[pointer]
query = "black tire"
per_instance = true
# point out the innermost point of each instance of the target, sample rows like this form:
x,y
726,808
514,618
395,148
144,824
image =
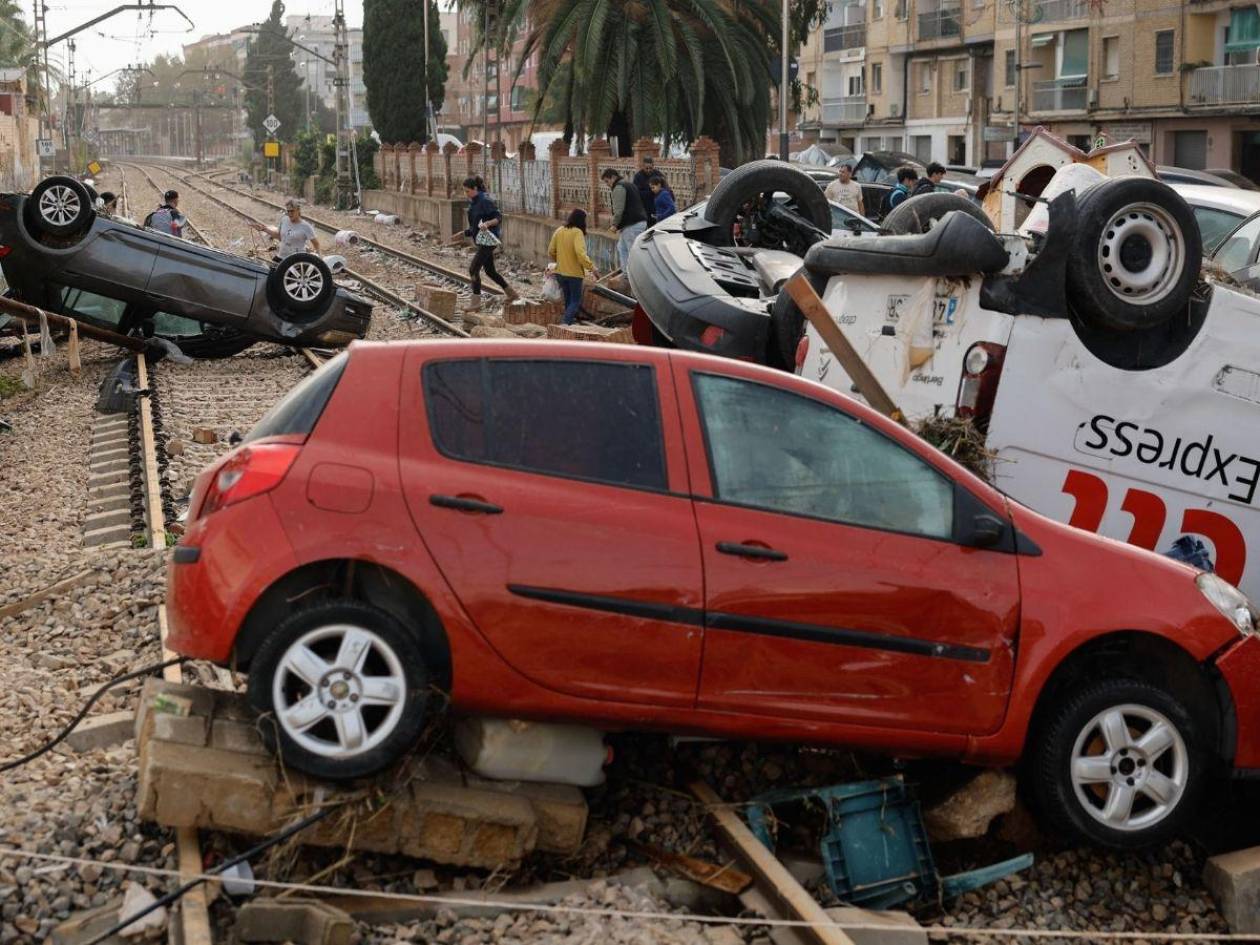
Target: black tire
x,y
787,324
918,214
300,286
320,752
749,181
1053,745
61,207
1125,226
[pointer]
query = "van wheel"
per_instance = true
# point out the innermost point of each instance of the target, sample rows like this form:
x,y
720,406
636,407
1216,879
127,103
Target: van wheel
x,y
60,206
344,688
741,194
1119,763
787,324
300,286
917,214
1136,257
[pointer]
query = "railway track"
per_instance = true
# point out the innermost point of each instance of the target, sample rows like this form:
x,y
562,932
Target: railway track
x,y
370,285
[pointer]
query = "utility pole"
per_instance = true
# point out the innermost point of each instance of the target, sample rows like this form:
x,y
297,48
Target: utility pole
x,y
197,120
69,109
428,106
1017,8
783,86
341,80
271,108
41,40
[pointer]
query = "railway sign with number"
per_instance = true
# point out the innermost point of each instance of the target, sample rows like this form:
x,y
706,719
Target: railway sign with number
x,y
271,123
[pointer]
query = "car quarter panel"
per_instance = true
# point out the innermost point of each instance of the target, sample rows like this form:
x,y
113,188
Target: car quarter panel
x,y
200,284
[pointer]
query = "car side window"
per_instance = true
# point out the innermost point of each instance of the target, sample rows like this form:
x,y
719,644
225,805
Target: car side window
x,y
90,305
1214,226
775,450
579,419
1236,252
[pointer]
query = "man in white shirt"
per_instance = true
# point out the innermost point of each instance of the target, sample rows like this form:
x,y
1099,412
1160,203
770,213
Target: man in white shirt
x,y
293,232
845,191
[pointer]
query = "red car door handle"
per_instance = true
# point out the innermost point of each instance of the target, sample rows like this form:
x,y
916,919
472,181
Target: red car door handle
x,y
464,504
742,550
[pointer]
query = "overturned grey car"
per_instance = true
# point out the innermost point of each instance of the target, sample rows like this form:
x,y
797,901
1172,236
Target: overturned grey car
x,y
57,253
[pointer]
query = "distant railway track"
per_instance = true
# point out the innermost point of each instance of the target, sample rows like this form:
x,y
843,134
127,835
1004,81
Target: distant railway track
x,y
370,285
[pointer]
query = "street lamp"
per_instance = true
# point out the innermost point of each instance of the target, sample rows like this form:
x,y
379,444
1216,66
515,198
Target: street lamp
x,y
783,86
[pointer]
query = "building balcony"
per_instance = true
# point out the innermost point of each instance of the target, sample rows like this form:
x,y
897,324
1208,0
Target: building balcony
x,y
1056,96
1054,11
841,38
844,110
1224,85
941,24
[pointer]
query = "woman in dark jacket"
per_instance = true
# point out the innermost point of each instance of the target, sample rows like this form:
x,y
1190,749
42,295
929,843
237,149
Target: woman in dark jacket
x,y
483,218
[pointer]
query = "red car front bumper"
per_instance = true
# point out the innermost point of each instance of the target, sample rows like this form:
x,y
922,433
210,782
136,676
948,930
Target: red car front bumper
x,y
218,570
1239,666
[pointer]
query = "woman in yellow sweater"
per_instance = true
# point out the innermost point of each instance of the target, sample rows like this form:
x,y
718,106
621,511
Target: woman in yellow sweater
x,y
568,249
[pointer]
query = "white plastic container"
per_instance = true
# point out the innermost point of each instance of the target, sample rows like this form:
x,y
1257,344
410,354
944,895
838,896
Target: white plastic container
x,y
346,238
388,219
335,263
512,750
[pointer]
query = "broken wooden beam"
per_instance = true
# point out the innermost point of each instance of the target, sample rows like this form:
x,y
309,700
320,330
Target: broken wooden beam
x,y
31,315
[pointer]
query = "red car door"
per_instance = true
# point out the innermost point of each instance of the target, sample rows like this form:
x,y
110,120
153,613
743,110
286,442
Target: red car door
x,y
552,493
835,586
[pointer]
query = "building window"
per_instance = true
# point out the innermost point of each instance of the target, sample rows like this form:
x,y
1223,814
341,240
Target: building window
x,y
877,9
1190,149
893,143
925,78
1074,47
518,98
870,144
877,77
857,85
921,145
960,75
903,11
1010,68
1111,57
1164,52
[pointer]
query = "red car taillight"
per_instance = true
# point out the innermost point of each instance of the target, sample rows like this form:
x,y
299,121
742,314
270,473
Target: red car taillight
x,y
802,352
5,250
712,335
982,369
250,471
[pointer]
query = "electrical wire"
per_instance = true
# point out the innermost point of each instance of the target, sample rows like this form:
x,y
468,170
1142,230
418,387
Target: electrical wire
x,y
62,735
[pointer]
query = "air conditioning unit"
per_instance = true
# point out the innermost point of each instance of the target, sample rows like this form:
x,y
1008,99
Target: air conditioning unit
x,y
1093,98
894,109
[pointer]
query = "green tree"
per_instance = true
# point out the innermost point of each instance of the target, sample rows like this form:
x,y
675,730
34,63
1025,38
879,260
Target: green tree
x,y
17,46
670,68
272,50
393,56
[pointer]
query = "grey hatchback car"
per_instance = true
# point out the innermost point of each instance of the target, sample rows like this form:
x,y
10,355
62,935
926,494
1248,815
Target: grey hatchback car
x,y
58,253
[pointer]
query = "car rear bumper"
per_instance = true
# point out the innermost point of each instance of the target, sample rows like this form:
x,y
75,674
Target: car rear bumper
x,y
220,567
1239,667
683,300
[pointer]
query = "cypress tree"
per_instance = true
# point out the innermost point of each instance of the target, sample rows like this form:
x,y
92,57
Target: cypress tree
x,y
393,66
271,48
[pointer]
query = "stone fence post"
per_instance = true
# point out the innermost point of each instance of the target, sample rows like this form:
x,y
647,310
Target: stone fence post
x,y
557,150
598,156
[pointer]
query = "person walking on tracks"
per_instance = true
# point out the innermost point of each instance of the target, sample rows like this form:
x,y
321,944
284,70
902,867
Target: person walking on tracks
x,y
484,219
294,233
568,249
167,218
629,218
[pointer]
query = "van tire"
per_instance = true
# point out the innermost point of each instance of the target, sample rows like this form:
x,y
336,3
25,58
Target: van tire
x,y
1125,227
299,287
763,177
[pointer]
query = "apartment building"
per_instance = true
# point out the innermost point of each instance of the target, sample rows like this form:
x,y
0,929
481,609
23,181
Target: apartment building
x,y
942,79
319,37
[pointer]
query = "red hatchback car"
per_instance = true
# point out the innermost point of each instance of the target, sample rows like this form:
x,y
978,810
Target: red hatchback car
x,y
641,538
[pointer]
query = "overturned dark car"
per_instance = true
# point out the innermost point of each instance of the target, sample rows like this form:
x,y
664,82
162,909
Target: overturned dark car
x,y
57,253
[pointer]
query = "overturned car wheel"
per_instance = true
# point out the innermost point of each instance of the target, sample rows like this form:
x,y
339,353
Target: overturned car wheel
x,y
61,207
740,202
300,286
1137,255
917,214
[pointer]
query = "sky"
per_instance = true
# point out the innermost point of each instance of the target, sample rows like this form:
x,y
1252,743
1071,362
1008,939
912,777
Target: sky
x,y
132,37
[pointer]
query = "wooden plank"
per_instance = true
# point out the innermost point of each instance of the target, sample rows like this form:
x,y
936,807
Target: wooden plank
x,y
26,603
194,909
868,386
771,876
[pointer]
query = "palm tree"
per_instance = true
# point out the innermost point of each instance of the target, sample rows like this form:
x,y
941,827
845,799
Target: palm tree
x,y
673,68
17,46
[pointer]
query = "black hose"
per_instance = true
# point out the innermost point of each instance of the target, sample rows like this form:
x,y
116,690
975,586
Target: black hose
x,y
225,865
117,680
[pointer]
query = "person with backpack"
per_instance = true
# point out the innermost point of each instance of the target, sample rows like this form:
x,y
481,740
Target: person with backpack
x,y
629,217
663,204
906,178
484,219
927,185
568,250
167,218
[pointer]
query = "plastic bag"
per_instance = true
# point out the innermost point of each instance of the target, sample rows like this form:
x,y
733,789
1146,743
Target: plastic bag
x,y
486,237
551,290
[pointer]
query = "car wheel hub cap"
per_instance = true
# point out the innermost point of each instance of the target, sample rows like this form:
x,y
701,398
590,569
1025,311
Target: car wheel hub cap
x,y
339,691
1141,254
1130,767
59,205
303,282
